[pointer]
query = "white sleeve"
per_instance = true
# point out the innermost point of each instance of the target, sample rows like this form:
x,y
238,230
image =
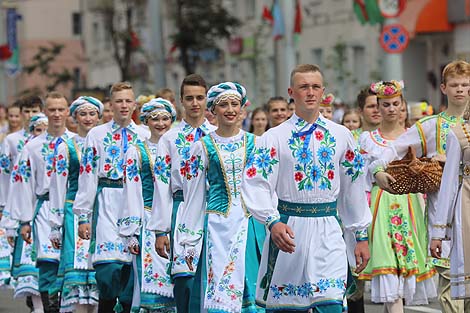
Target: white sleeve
x,y
58,186
162,205
131,216
449,188
260,181
87,181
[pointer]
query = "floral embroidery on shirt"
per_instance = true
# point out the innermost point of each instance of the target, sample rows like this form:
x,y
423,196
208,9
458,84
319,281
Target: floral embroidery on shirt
x,y
183,229
113,165
5,164
162,168
89,160
353,163
20,145
132,171
191,168
110,247
49,249
61,165
307,289
47,152
21,171
307,172
261,161
128,220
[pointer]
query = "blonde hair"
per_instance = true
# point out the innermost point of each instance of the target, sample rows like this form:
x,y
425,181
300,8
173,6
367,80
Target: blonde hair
x,y
455,68
304,68
119,87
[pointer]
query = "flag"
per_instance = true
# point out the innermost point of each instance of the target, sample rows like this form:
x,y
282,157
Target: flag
x,y
267,15
298,18
368,11
278,25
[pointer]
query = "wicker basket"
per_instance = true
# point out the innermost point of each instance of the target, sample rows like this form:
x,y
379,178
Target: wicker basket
x,y
415,175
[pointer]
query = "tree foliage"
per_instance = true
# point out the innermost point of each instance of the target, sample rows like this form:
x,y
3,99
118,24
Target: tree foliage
x,y
199,23
118,20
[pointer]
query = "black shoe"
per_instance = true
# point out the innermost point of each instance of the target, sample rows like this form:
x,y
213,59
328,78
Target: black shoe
x,y
126,307
356,306
106,306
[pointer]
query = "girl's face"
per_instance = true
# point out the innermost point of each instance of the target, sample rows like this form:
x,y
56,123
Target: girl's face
x,y
87,118
159,125
227,112
39,129
327,112
260,120
14,117
352,121
390,108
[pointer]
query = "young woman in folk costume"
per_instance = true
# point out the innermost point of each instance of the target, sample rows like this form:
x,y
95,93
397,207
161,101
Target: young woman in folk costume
x,y
232,238
153,290
76,278
398,267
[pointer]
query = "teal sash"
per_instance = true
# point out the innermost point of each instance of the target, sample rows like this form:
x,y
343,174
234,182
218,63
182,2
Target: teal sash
x,y
102,183
146,173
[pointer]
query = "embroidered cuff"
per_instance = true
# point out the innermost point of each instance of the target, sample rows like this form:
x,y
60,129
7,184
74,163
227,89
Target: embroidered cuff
x,y
272,220
439,230
378,169
132,241
160,234
83,219
361,235
56,234
24,223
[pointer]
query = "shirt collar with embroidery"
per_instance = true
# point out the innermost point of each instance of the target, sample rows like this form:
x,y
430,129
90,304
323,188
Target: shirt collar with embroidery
x,y
115,127
187,128
301,124
450,118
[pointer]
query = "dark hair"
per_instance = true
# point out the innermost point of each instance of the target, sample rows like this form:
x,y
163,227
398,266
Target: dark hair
x,y
192,80
256,111
362,96
32,102
15,104
272,99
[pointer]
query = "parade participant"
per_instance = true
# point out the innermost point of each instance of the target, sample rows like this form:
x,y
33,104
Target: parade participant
x,y
76,279
259,122
231,245
13,118
29,191
153,290
452,219
351,119
326,106
174,148
277,108
291,107
306,162
99,199
107,111
398,265
428,137
368,107
23,270
38,124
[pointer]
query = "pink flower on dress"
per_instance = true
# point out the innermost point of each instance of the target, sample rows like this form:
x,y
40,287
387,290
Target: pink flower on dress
x,y
251,172
396,220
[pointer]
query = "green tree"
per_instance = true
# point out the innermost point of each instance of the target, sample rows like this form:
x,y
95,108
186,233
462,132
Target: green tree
x,y
199,24
119,20
41,63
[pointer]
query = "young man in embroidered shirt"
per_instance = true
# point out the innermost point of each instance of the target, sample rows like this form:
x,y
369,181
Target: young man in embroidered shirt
x,y
30,195
99,198
174,147
306,161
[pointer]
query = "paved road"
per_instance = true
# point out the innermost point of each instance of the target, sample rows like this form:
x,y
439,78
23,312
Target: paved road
x,y
8,305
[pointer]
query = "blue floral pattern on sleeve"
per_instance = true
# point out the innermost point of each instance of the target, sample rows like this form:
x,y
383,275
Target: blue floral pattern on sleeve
x,y
353,163
261,162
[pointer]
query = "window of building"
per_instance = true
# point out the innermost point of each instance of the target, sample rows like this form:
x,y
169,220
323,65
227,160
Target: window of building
x,y
317,57
76,23
359,65
77,77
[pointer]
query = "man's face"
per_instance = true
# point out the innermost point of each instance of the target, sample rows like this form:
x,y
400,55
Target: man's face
x,y
14,117
371,113
27,113
193,100
277,112
457,90
307,91
57,111
123,105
